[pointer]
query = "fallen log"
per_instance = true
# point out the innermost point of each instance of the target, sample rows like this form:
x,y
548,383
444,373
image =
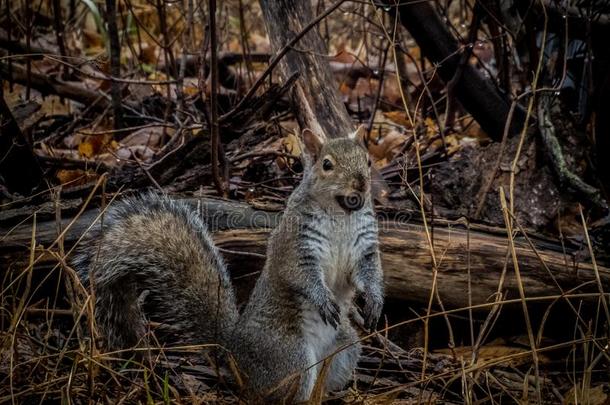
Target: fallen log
x,y
242,232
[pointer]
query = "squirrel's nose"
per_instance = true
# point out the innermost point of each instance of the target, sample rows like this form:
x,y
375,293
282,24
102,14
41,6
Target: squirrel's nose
x,y
359,183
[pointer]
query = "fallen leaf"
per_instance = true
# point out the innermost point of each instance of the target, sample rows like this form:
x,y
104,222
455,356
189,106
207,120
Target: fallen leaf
x,y
149,136
92,41
86,149
74,177
141,152
391,90
385,146
398,117
431,127
290,144
343,55
92,145
148,53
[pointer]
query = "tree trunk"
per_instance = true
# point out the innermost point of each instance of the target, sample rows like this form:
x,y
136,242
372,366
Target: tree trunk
x,y
241,232
315,94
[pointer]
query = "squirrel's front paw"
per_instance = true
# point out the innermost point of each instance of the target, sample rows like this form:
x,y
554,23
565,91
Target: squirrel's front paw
x,y
372,310
330,312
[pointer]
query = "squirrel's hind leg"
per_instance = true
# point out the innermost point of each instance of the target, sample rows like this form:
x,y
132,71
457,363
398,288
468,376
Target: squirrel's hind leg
x,y
275,370
119,316
343,363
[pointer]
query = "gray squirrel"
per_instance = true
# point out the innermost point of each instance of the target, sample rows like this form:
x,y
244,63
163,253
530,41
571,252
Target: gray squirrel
x,y
154,262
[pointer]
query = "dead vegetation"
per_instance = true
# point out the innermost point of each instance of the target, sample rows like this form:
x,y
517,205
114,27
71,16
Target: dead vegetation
x,y
491,147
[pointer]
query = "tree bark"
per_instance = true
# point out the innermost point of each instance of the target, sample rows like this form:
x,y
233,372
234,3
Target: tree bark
x,y
315,94
242,232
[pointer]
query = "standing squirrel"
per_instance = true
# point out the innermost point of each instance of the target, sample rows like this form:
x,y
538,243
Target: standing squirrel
x,y
154,261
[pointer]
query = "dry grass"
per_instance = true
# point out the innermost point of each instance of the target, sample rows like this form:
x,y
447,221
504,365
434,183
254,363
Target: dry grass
x,y
49,351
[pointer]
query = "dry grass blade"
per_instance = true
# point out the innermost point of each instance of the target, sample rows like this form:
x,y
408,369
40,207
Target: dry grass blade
x,y
528,324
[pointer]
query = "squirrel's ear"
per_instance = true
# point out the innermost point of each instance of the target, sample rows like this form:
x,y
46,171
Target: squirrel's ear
x,y
359,135
313,143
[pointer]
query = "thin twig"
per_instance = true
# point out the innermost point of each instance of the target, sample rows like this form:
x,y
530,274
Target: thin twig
x,y
115,62
600,286
214,127
59,30
528,324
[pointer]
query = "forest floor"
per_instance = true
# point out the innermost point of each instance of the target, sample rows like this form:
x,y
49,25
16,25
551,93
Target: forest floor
x,y
71,151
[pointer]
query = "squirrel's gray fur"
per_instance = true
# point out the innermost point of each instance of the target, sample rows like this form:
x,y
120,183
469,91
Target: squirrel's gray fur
x,y
154,260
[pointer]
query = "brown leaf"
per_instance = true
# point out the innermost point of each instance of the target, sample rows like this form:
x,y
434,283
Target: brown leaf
x,y
142,152
398,117
385,146
74,177
86,149
92,39
292,145
149,136
94,144
343,56
148,53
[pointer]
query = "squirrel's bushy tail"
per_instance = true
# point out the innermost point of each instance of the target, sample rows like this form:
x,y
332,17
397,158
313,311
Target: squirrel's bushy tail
x,y
153,266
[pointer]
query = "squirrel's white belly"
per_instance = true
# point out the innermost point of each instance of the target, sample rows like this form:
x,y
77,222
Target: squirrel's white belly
x,y
319,336
337,268
340,262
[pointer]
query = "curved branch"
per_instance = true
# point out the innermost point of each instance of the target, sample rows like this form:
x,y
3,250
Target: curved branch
x,y
558,162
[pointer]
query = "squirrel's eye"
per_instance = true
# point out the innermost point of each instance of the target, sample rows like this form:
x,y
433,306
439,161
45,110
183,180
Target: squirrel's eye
x,y
327,165
369,162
